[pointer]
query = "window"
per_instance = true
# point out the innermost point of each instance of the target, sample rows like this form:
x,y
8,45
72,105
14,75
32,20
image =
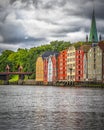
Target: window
x,y
94,60
73,65
78,72
73,70
94,66
94,55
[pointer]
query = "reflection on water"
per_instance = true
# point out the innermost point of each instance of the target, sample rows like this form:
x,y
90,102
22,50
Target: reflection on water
x,y
51,108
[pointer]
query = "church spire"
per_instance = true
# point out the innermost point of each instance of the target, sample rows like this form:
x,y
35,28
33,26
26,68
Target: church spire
x,y
93,30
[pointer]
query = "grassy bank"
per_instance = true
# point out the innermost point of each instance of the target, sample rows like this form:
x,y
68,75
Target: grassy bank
x,y
14,79
1,82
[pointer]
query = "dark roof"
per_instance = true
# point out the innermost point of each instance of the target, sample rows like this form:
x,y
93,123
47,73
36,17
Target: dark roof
x,y
85,48
48,53
101,45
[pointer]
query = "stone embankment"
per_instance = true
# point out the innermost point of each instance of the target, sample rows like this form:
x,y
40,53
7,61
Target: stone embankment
x,y
58,83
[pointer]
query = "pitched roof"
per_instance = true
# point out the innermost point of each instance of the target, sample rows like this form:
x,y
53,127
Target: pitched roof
x,y
85,48
101,45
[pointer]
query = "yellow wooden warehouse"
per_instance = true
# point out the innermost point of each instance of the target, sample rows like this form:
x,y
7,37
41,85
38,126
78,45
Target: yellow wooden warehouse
x,y
39,69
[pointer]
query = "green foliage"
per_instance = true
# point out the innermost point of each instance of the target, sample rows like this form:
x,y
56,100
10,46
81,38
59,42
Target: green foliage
x,y
1,82
59,45
14,78
78,44
4,59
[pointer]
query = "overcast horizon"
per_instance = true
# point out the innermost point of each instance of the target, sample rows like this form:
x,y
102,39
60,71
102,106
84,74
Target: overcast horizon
x,y
29,23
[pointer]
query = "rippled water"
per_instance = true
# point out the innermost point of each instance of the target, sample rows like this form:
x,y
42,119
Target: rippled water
x,y
51,108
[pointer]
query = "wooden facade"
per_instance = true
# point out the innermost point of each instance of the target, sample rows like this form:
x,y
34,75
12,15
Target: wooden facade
x,y
39,69
50,66
95,63
81,70
45,70
54,62
71,63
79,65
62,65
50,69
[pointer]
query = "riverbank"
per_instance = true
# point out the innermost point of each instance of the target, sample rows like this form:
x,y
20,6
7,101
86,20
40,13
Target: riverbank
x,y
58,83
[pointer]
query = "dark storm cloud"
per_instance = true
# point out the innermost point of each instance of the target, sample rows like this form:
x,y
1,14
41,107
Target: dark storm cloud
x,y
67,29
40,21
12,32
17,40
84,9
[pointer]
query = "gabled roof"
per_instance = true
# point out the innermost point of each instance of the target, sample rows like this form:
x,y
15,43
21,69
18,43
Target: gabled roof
x,y
101,45
85,48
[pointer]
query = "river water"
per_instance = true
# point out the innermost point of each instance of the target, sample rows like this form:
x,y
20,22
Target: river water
x,y
51,108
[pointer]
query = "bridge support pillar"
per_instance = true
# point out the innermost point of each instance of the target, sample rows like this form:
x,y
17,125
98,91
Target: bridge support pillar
x,y
20,82
21,79
6,82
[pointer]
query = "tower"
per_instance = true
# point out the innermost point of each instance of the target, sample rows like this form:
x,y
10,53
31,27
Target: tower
x,y
93,30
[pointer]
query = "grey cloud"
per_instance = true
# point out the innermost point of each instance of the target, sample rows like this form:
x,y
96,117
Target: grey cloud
x,y
67,29
3,16
79,11
12,32
58,35
16,34
84,9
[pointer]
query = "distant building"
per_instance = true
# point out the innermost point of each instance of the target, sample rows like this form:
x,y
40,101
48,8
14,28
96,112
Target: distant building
x,y
71,63
39,69
50,66
55,67
62,65
81,63
96,62
45,60
50,69
85,62
45,70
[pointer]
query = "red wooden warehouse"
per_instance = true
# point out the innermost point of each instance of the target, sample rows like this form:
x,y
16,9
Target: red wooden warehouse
x,y
62,65
45,63
79,64
54,62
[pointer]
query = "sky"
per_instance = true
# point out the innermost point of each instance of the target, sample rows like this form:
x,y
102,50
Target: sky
x,y
29,23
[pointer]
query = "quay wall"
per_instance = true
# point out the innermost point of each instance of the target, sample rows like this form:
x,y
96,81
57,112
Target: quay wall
x,y
58,83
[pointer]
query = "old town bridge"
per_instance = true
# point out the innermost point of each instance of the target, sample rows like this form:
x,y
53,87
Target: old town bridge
x,y
6,75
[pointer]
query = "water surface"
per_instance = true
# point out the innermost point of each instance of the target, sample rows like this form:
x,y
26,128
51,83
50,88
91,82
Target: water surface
x,y
51,108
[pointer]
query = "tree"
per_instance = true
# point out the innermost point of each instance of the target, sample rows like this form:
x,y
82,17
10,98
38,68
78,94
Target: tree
x,y
4,59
